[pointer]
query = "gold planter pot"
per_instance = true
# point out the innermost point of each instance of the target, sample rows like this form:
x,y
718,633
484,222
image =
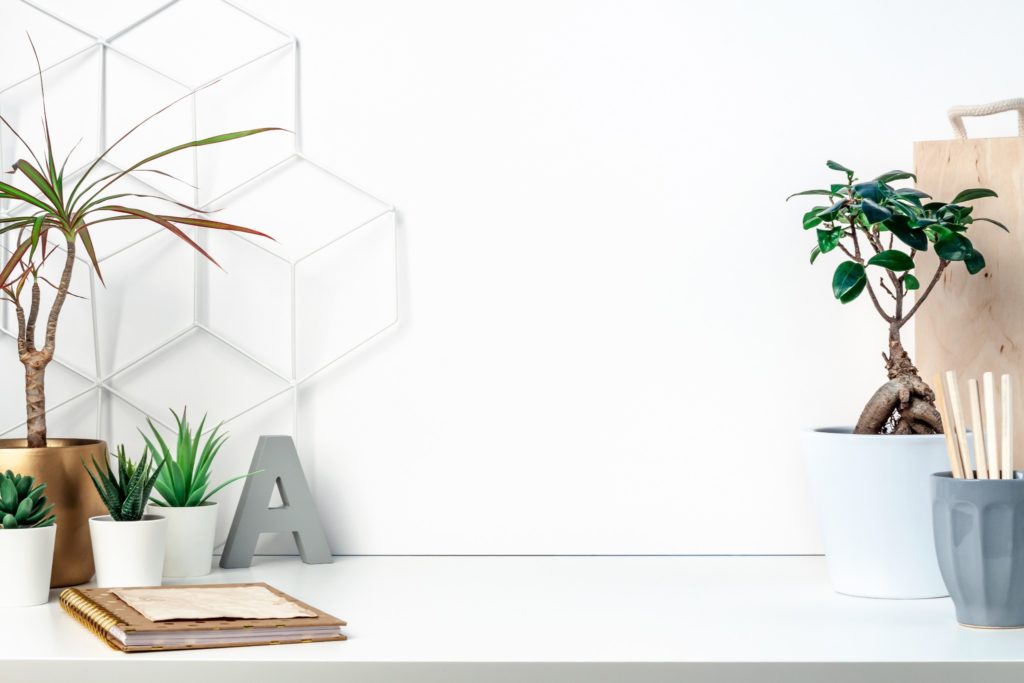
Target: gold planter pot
x,y
68,487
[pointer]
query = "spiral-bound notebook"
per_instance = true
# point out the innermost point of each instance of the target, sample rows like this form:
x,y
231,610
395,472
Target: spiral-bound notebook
x,y
196,617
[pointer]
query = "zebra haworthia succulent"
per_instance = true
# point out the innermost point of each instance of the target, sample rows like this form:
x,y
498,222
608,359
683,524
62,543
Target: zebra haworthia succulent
x,y
126,493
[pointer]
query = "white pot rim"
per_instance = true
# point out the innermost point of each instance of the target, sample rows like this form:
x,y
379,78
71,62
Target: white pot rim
x,y
846,432
146,519
159,508
37,529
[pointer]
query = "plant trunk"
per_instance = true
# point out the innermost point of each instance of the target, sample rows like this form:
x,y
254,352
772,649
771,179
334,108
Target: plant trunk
x,y
904,404
35,397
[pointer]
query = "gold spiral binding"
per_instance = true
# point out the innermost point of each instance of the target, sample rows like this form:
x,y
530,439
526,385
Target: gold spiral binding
x,y
94,617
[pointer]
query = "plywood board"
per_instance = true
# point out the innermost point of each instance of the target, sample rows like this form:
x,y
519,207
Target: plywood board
x,y
975,323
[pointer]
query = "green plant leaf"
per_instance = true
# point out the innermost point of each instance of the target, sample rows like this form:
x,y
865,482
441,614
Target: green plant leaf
x,y
911,282
41,182
83,234
164,223
829,239
973,193
953,247
974,262
824,193
836,166
848,281
892,259
993,222
869,190
8,495
900,226
873,212
895,175
815,253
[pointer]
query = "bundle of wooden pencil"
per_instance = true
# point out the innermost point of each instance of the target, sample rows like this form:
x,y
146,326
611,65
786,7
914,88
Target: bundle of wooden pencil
x,y
992,459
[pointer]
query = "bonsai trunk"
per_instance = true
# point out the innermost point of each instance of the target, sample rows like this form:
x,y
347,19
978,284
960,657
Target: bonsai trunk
x,y
904,404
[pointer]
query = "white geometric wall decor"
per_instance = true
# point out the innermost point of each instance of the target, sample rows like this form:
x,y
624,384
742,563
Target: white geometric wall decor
x,y
169,329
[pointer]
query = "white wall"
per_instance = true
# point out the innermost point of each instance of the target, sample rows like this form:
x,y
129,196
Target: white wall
x,y
610,335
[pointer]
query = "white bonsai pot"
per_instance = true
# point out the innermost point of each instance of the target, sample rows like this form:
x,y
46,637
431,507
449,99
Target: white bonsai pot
x,y
874,509
190,534
128,553
25,568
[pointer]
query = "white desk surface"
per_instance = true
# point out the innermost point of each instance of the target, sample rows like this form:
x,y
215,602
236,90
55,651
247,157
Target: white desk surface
x,y
424,618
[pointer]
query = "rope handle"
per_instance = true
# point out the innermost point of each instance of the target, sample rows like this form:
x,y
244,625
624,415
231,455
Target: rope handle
x,y
956,114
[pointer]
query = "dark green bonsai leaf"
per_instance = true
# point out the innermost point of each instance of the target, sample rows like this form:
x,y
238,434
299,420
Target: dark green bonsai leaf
x,y
892,259
953,247
895,175
812,219
870,190
836,166
975,262
830,213
825,193
911,282
815,253
848,281
973,193
829,239
993,222
873,212
900,226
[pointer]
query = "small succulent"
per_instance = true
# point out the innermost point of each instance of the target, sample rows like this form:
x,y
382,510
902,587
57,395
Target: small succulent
x,y
23,505
125,494
186,473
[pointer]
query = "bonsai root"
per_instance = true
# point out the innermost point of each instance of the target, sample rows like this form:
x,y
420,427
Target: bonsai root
x,y
905,402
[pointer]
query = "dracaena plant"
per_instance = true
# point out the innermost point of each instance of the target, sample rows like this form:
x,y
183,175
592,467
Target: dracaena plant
x,y
881,230
125,493
57,217
185,477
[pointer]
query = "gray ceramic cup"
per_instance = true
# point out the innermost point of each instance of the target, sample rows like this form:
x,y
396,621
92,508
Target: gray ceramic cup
x,y
979,542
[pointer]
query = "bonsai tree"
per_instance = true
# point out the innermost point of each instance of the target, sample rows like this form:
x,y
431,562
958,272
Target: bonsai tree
x,y
59,216
881,230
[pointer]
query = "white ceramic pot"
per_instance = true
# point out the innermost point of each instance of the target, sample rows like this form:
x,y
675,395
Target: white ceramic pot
x,y
874,509
26,556
128,553
190,534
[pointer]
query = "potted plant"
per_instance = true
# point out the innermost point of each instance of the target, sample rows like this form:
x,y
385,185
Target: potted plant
x,y
61,218
127,544
870,483
183,484
27,532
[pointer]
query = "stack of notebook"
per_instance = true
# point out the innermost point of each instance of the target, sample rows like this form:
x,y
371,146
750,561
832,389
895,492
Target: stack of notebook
x,y
194,617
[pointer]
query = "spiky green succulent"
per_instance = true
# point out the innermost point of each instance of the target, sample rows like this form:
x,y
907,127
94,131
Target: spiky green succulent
x,y
22,503
184,480
126,493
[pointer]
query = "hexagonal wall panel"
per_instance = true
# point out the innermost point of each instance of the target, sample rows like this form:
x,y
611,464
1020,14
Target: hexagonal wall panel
x,y
171,329
73,100
341,262
54,40
100,19
200,371
132,93
186,40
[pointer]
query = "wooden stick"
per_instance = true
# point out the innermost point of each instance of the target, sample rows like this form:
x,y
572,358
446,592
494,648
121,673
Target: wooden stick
x,y
948,430
978,429
958,419
991,443
1007,396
